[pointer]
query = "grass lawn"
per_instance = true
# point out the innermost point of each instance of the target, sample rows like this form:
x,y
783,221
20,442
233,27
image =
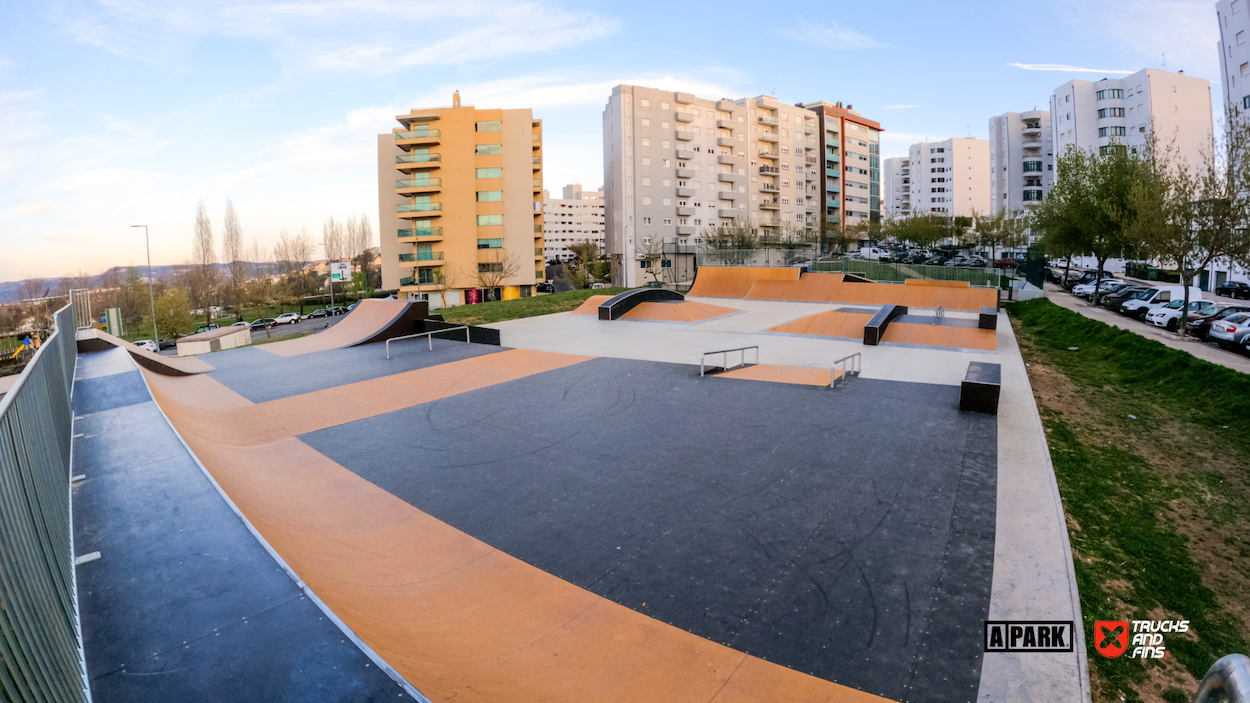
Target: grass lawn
x,y
500,310
1150,447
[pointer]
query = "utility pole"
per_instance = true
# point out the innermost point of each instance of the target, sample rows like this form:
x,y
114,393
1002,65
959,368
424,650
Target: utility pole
x,y
151,295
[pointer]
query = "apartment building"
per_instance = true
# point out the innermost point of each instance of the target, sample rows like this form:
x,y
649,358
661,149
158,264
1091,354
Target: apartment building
x,y
1092,114
577,217
1234,47
460,204
851,148
1022,160
896,186
676,165
950,178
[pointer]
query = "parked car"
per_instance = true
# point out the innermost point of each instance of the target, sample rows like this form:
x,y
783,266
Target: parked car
x,y
1234,289
915,259
977,261
1005,263
1076,278
936,260
874,253
1086,290
960,261
653,284
544,288
146,344
264,322
338,310
1113,300
1169,316
597,286
287,318
1142,302
1232,330
1200,325
320,312
205,328
241,323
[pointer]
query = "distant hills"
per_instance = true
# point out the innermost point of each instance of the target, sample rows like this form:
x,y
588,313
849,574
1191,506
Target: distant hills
x,y
9,291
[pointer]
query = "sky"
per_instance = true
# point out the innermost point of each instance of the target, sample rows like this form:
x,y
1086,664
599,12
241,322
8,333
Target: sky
x,y
123,112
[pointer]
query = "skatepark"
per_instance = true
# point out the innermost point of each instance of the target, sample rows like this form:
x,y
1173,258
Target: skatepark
x,y
763,490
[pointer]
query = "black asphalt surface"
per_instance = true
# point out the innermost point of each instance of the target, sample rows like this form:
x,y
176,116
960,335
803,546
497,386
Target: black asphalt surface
x,y
184,604
847,534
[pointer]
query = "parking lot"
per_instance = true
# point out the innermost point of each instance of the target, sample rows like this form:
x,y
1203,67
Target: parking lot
x,y
280,331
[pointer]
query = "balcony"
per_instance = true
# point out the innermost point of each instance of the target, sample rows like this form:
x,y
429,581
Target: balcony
x,y
538,162
538,185
685,136
727,160
724,141
537,139
411,210
416,137
771,222
538,252
684,117
833,188
833,219
835,143
833,173
769,155
726,124
538,229
685,230
685,154
809,128
769,170
727,195
420,185
769,120
726,178
685,173
407,281
833,157
1032,131
426,233
685,192
831,202
727,214
422,256
767,137
1034,143
769,205
770,188
685,211
413,162
811,160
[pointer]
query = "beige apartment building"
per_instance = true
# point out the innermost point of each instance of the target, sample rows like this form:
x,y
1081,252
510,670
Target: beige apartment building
x,y
576,217
460,204
950,178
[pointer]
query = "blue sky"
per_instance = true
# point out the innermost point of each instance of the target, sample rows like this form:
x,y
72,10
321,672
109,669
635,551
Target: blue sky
x,y
119,112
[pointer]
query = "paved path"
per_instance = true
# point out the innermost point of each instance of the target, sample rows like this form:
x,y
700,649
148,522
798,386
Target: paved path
x,y
1202,350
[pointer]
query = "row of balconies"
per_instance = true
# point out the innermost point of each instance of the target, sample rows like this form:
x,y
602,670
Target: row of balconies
x,y
426,233
421,256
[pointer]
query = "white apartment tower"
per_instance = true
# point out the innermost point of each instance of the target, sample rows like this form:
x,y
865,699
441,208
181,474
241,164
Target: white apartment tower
x,y
577,217
1022,160
1234,48
896,186
950,178
675,164
1090,115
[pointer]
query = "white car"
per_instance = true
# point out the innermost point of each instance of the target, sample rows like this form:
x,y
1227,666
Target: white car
x,y
1086,290
1142,302
286,318
241,324
1169,316
147,344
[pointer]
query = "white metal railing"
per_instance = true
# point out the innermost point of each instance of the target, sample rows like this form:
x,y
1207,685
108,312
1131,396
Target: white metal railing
x,y
725,358
427,335
850,367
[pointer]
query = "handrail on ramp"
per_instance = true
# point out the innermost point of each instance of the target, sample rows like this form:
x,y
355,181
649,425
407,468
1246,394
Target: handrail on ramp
x,y
850,367
725,358
427,334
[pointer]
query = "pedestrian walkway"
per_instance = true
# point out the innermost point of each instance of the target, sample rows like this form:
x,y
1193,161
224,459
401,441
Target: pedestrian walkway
x,y
1206,352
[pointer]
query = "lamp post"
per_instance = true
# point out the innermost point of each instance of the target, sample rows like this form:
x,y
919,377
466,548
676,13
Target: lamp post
x,y
148,244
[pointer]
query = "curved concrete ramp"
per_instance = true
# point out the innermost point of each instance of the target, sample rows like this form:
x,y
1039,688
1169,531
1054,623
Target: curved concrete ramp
x,y
622,303
737,281
99,340
456,617
759,283
683,311
591,306
371,321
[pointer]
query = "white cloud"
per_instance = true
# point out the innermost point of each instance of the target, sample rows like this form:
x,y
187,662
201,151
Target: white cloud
x,y
898,107
830,36
30,209
1062,67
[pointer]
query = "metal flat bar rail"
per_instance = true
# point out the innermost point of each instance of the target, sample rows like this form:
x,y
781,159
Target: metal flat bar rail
x,y
40,646
850,367
427,335
725,357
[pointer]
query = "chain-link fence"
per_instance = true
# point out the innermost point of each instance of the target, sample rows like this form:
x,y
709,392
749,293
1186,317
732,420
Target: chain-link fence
x,y
40,657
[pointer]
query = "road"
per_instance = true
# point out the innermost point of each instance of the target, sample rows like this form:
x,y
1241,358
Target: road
x,y
280,331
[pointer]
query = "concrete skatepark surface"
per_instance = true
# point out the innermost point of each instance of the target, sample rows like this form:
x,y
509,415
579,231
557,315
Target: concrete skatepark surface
x,y
791,284
579,516
371,321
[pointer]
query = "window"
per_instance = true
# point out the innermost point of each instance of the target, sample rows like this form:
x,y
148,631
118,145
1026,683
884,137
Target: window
x,y
1104,150
646,161
645,122
664,124
646,200
1245,102
488,149
646,181
1110,112
1111,131
644,141
1032,166
490,173
1241,37
1245,69
646,220
490,220
668,220
490,267
644,102
489,196
490,244
663,106
489,127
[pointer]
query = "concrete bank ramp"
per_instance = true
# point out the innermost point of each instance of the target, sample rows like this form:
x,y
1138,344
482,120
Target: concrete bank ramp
x,y
99,340
371,321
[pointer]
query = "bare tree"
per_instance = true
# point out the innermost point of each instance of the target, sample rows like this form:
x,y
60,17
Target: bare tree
x,y
494,273
204,256
258,258
31,288
334,239
232,249
651,251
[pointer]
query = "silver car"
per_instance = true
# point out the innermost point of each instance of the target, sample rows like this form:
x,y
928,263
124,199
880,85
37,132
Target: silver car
x,y
1232,330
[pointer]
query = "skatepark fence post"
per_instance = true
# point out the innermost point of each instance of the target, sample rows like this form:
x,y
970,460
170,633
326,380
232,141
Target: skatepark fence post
x,y
430,336
850,367
724,364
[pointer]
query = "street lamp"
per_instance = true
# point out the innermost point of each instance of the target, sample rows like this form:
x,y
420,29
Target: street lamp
x,y
147,243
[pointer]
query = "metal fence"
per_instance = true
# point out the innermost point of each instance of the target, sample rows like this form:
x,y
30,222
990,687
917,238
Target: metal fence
x,y
40,654
768,256
886,271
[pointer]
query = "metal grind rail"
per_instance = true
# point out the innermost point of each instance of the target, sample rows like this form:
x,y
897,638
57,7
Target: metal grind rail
x,y
850,367
427,335
725,358
40,647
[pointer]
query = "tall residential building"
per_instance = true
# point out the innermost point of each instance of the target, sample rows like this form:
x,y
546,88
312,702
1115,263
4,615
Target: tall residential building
x,y
896,187
577,217
675,165
1234,48
1089,114
851,145
1022,160
460,204
950,178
